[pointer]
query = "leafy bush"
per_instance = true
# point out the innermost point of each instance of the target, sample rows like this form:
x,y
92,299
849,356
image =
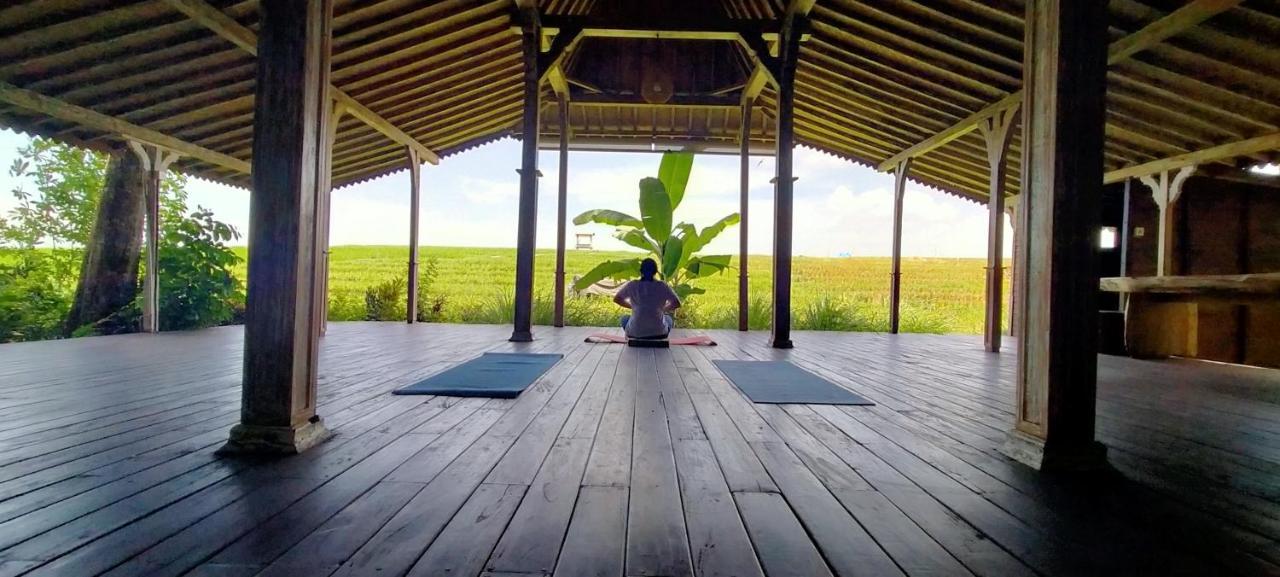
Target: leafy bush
x,y
46,229
35,294
197,288
827,313
344,306
430,308
385,300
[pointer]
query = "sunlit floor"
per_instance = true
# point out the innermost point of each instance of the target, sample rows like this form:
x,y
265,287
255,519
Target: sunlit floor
x,y
622,461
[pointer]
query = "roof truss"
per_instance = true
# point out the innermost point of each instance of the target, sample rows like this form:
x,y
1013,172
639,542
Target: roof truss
x,y
226,27
1188,16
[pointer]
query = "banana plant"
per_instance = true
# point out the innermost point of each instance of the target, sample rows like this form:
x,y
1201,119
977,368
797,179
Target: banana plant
x,y
674,247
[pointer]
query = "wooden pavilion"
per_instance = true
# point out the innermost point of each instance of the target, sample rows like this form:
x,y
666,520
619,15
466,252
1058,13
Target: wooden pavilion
x,y
649,462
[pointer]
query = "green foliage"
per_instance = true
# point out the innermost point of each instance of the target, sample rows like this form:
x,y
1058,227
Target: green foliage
x,y
674,248
385,301
388,300
430,305
197,287
36,287
44,233
939,294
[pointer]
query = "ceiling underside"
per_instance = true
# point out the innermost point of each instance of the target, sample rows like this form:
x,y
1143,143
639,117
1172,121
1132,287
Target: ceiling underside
x,y
874,78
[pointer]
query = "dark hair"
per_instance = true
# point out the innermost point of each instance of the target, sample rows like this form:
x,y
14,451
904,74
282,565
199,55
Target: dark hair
x,y
648,268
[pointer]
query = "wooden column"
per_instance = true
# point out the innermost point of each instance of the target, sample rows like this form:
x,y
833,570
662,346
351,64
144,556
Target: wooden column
x,y
280,339
744,181
562,199
895,274
997,131
415,193
1064,76
1166,187
527,230
325,202
784,185
1011,209
155,160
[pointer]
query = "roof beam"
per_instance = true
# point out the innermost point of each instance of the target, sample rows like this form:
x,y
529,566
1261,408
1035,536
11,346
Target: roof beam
x,y
764,54
1229,150
1189,15
225,26
55,108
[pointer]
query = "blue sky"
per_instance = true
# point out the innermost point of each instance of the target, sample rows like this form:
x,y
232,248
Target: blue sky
x,y
470,200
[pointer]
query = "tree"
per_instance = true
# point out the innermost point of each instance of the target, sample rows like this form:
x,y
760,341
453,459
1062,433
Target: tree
x,y
674,248
45,236
109,272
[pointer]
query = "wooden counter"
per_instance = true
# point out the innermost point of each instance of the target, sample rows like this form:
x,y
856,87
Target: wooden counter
x,y
1233,318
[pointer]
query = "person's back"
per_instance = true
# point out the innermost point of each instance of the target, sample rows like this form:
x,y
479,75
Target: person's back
x,y
649,300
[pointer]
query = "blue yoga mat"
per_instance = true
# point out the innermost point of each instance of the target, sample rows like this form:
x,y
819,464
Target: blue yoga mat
x,y
501,375
780,382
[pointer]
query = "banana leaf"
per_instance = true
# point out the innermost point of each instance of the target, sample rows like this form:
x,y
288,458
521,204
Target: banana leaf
x,y
609,217
674,174
702,266
612,269
711,232
671,253
655,209
636,237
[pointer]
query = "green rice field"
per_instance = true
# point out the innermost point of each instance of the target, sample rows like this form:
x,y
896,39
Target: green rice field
x,y
475,285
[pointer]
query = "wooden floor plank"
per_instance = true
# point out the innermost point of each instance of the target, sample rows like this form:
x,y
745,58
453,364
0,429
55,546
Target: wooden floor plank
x,y
595,545
657,541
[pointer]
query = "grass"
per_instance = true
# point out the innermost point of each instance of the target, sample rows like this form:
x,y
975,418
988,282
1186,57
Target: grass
x,y
475,285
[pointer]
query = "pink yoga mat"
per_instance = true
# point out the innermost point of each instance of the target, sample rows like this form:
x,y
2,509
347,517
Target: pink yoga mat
x,y
700,340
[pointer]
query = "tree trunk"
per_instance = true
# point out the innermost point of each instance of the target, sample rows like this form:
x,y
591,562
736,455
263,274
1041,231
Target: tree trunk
x,y
109,272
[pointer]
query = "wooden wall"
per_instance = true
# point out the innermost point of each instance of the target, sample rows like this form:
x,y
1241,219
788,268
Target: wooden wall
x,y
1223,227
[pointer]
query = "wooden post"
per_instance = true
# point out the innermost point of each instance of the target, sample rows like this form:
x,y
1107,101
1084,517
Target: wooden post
x,y
562,215
1166,188
155,160
784,184
324,210
1064,76
744,195
281,345
997,132
415,193
1011,210
527,230
1124,227
895,274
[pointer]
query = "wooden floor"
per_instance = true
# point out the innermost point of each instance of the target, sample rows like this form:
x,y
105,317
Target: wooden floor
x,y
622,462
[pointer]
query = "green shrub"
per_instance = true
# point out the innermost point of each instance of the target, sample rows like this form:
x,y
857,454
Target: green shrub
x,y
385,301
430,305
827,313
345,307
197,287
35,293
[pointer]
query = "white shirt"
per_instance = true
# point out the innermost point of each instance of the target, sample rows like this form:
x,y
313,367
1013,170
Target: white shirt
x,y
649,302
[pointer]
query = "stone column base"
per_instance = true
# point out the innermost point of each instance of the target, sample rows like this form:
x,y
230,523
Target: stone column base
x,y
259,440
1031,451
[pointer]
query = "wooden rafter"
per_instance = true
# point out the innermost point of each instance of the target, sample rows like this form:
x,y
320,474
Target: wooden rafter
x,y
1190,15
55,108
225,26
1265,143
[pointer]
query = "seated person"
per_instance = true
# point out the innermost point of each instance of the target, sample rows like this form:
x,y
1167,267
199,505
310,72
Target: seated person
x,y
651,302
